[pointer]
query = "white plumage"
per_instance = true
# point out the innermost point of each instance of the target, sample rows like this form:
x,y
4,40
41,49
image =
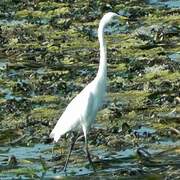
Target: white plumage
x,y
82,110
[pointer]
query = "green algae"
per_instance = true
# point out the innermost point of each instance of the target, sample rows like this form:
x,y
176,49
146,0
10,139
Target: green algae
x,y
27,172
135,97
8,134
44,12
45,99
2,101
23,13
44,113
55,40
56,51
160,16
159,76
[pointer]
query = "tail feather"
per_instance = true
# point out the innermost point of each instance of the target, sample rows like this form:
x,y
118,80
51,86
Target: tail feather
x,y
60,128
54,135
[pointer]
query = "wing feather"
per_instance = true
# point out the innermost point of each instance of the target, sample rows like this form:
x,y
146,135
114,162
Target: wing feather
x,y
77,112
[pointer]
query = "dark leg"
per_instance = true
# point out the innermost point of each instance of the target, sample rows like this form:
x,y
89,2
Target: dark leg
x,y
73,140
88,154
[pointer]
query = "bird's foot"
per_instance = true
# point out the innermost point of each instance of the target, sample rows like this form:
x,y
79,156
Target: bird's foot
x,y
94,169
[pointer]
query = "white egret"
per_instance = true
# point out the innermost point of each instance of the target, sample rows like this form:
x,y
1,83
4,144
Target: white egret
x,y
81,111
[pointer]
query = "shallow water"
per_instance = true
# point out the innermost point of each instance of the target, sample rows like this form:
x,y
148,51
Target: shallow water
x,y
107,161
12,22
3,64
175,57
166,3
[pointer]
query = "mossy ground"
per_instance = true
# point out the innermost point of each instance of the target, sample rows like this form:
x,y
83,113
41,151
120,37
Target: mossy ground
x,y
51,52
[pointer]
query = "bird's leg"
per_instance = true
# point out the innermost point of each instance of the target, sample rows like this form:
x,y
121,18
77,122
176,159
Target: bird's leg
x,y
53,149
73,140
88,154
86,147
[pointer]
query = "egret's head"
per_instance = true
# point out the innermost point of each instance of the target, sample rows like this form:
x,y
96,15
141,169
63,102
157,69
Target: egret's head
x,y
108,17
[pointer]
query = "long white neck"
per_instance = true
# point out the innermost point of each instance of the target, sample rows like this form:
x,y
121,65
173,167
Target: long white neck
x,y
102,71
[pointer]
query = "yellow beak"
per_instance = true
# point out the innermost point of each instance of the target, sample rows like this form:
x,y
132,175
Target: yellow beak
x,y
123,17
